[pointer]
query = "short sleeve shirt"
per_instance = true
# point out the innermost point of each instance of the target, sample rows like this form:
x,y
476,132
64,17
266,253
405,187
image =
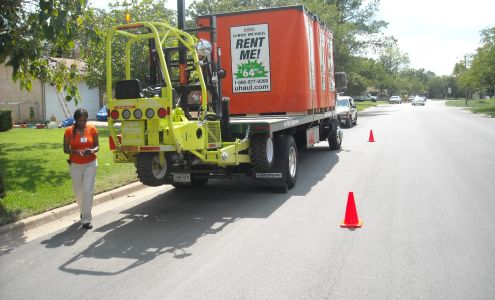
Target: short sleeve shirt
x,y
81,142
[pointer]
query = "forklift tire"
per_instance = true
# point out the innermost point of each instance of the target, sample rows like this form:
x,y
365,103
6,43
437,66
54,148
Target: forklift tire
x,y
286,160
149,171
262,152
334,138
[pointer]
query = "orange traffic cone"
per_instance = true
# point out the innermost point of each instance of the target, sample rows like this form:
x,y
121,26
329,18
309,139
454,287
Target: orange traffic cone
x,y
351,217
371,139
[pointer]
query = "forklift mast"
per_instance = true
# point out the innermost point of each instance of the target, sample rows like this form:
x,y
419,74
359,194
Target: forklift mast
x,y
183,66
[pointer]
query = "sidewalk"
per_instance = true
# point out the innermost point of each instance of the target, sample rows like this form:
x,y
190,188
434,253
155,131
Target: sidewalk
x,y
57,213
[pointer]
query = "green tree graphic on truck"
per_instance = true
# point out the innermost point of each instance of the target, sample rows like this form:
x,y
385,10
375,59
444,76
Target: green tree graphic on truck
x,y
251,69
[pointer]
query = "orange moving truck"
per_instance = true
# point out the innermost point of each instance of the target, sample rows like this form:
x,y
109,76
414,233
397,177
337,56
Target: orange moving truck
x,y
242,99
278,60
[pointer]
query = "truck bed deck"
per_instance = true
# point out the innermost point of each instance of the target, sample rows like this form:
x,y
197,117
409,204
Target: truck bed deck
x,y
273,123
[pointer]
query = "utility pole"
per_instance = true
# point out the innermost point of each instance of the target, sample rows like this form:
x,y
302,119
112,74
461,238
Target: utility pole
x,y
465,66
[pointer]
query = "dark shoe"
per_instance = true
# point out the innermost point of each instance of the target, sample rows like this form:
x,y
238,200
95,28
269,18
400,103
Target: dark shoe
x,y
80,216
88,226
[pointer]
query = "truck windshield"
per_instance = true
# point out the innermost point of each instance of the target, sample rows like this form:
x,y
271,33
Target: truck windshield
x,y
342,102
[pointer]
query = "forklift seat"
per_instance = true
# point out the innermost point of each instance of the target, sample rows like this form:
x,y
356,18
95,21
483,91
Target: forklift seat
x,y
128,89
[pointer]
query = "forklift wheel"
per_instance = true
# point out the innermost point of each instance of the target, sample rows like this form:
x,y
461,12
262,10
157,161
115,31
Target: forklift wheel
x,y
262,152
149,170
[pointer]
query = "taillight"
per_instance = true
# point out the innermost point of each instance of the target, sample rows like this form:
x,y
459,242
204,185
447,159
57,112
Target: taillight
x,y
162,112
150,113
138,113
114,114
126,114
112,142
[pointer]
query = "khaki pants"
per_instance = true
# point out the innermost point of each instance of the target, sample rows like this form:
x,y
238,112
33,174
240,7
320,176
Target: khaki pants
x,y
83,182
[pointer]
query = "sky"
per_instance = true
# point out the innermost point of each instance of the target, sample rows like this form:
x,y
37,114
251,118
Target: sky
x,y
434,33
437,33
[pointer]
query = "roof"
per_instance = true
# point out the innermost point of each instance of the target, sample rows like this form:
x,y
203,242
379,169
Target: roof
x,y
80,65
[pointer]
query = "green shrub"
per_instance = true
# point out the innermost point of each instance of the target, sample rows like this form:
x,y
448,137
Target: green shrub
x,y
5,120
2,186
31,113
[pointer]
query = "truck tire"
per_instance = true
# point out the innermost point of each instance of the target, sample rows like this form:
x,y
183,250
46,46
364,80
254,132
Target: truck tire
x,y
286,160
262,152
149,171
334,138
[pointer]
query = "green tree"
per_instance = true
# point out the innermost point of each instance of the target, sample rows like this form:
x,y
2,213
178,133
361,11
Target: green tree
x,y
207,7
438,87
31,31
393,59
367,72
94,54
415,81
356,32
480,75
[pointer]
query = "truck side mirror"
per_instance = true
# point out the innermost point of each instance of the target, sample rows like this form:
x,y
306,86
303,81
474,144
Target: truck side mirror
x,y
341,81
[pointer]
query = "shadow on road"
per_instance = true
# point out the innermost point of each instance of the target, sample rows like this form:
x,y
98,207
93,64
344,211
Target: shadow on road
x,y
68,237
174,221
377,111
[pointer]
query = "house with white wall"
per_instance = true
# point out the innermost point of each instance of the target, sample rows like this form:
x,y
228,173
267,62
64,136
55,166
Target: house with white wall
x,y
43,100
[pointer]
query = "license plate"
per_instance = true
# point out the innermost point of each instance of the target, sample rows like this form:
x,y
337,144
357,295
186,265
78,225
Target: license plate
x,y
182,177
268,175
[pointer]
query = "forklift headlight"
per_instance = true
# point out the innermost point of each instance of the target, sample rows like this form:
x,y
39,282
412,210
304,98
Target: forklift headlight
x,y
138,113
225,155
150,113
204,48
126,114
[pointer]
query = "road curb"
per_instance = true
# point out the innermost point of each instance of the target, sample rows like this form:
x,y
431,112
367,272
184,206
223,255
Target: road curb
x,y
57,213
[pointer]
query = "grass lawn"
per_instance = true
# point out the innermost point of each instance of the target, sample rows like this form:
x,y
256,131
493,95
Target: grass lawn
x,y
36,173
365,104
477,106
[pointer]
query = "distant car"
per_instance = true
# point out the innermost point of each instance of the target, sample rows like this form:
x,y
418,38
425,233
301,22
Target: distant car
x,y
368,97
395,99
418,100
102,114
67,122
346,110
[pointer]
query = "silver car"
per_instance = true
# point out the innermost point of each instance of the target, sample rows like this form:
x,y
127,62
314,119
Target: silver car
x,y
395,99
418,100
346,110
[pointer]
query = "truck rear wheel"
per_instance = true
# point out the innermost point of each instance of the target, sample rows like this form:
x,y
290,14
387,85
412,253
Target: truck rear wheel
x,y
286,159
262,152
149,170
334,138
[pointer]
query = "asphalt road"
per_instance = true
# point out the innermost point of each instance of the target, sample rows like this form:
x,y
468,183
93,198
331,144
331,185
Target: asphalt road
x,y
424,190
